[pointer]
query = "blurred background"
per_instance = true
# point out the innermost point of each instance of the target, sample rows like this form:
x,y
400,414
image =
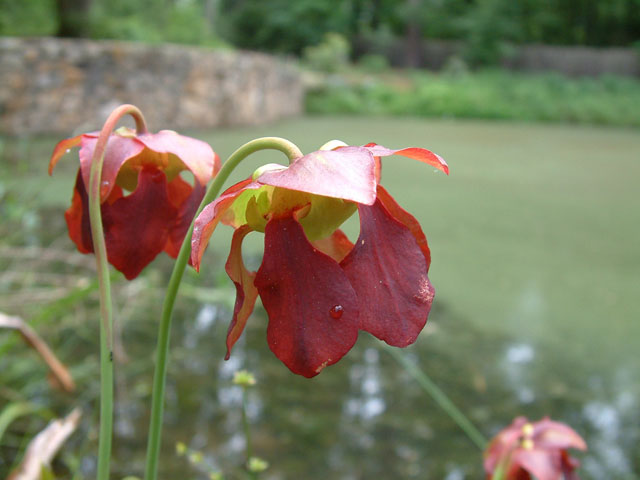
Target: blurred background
x,y
534,104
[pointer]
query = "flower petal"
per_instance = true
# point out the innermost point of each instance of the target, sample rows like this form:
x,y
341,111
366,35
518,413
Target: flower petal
x,y
550,434
246,292
347,173
210,217
77,215
388,271
337,245
197,156
543,464
61,148
420,154
312,308
186,199
408,220
137,226
119,150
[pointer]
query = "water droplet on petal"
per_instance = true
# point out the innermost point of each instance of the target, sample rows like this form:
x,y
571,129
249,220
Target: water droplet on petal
x,y
336,312
105,186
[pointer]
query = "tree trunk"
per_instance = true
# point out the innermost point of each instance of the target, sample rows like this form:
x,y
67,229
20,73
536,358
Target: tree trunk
x,y
73,18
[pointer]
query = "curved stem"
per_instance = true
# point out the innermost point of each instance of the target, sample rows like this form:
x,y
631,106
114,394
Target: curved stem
x,y
106,313
159,379
439,397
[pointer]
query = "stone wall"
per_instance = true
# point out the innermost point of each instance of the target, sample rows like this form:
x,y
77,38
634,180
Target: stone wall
x,y
576,61
50,85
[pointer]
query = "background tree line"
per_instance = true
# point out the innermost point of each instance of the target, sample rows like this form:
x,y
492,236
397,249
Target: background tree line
x,y
288,26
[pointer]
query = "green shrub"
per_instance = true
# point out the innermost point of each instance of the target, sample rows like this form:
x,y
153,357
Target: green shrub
x,y
493,94
331,55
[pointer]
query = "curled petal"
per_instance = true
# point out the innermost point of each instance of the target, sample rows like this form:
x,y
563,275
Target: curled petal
x,y
61,148
336,245
119,150
211,215
407,220
246,292
347,173
137,226
420,154
312,308
388,271
196,155
550,434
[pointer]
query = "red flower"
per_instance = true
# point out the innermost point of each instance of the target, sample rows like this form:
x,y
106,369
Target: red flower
x,y
524,450
157,213
318,288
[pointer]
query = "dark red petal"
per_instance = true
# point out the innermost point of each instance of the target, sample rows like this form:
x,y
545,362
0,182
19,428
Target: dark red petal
x,y
246,292
388,271
210,217
420,154
61,148
137,226
408,220
336,245
186,199
119,150
347,173
195,154
77,215
312,308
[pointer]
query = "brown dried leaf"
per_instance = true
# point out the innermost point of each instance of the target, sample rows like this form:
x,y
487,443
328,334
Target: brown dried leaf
x,y
44,447
59,371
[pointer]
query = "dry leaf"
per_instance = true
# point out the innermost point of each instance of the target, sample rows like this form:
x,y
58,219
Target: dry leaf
x,y
44,447
60,372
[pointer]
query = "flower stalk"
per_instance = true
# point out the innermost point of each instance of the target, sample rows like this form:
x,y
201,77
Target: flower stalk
x,y
106,310
159,380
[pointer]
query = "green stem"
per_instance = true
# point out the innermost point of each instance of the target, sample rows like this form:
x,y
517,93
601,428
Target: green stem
x,y
106,312
439,397
159,379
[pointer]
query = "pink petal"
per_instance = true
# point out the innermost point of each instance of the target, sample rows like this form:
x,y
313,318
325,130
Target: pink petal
x,y
195,154
187,200
542,464
550,434
246,292
388,271
312,308
347,173
420,154
119,150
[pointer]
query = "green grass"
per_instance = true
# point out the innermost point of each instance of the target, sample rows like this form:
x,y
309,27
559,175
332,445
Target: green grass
x,y
607,100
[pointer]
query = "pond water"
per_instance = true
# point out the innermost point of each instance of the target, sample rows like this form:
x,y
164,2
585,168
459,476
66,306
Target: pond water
x,y
536,266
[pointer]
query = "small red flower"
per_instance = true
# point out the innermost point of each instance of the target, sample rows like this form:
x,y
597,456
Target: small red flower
x,y
317,287
538,450
157,213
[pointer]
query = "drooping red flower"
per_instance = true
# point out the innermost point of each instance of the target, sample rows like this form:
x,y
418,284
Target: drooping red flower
x,y
317,287
525,450
156,214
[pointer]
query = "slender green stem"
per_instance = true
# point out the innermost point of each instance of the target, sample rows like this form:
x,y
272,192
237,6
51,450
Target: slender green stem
x,y
439,397
159,379
106,311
